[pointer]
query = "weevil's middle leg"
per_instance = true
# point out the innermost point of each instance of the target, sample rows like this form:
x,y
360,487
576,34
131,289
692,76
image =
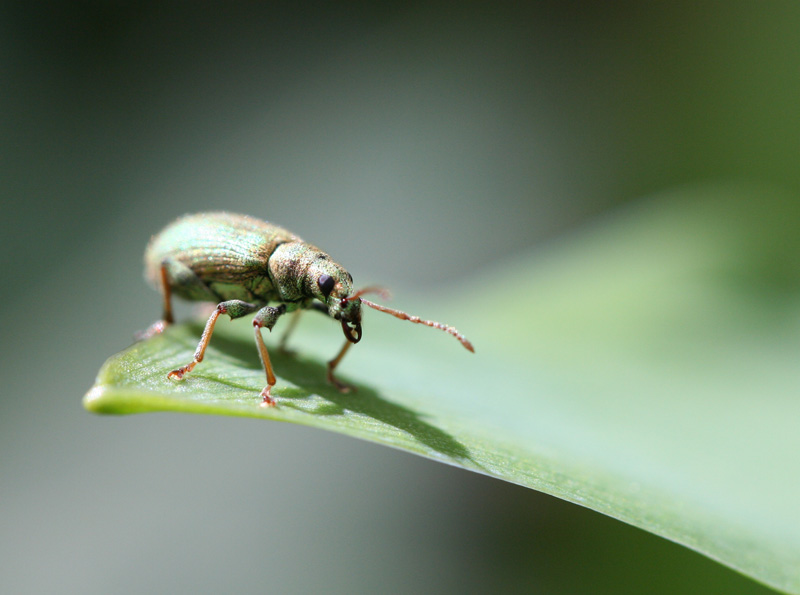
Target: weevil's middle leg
x,y
342,386
234,309
266,317
293,320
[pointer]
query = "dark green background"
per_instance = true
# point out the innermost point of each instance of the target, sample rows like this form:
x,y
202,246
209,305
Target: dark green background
x,y
418,144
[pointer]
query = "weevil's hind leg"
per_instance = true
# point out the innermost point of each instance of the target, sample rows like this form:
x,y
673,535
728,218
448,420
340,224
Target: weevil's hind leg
x,y
293,320
234,309
342,386
183,282
166,292
266,317
177,277
166,319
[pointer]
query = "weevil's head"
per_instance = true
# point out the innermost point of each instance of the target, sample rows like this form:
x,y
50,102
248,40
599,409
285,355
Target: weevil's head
x,y
333,286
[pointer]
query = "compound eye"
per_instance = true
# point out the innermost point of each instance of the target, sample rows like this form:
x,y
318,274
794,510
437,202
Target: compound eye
x,y
326,284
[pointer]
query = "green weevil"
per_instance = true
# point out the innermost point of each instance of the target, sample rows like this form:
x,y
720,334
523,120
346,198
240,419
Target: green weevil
x,y
242,264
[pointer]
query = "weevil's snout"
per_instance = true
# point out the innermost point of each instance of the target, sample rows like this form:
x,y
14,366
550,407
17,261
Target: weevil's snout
x,y
348,310
349,314
352,331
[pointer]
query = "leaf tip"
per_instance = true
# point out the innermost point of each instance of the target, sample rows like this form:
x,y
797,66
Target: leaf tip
x,y
94,400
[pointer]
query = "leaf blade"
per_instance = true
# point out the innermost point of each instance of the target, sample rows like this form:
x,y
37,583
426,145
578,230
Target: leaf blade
x,y
647,374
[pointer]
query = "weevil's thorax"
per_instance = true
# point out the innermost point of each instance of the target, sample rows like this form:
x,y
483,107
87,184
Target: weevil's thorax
x,y
288,264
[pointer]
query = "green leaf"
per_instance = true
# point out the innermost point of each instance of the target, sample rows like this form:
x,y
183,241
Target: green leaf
x,y
647,368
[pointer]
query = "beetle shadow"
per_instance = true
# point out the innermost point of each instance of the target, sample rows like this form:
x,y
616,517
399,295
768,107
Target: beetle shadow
x,y
309,378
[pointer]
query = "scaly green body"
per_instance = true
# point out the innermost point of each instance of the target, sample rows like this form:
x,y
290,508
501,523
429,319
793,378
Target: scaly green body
x,y
228,253
243,264
236,257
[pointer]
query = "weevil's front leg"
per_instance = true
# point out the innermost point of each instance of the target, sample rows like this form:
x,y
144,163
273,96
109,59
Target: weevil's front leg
x,y
342,386
266,318
234,309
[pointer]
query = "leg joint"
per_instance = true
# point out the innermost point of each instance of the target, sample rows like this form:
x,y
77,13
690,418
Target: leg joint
x,y
236,308
268,316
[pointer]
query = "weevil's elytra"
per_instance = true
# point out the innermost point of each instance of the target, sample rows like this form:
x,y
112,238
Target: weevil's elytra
x,y
243,264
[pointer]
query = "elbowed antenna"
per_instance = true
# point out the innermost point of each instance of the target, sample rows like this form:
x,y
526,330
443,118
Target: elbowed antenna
x,y
404,316
381,291
416,319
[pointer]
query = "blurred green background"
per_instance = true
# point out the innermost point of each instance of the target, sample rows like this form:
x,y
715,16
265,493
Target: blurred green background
x,y
417,143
